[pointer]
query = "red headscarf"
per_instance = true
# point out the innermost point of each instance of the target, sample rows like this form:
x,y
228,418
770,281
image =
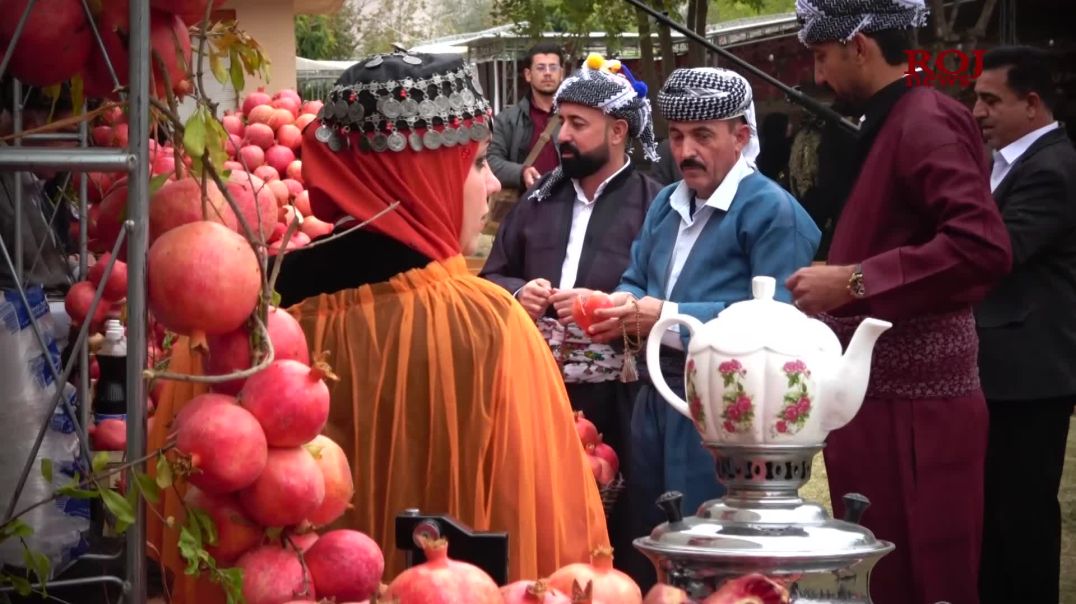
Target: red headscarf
x,y
428,184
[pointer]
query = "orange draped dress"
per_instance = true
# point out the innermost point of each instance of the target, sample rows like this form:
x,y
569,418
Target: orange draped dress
x,y
448,401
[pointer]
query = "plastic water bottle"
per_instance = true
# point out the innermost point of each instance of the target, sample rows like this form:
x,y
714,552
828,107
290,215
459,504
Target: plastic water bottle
x,y
110,395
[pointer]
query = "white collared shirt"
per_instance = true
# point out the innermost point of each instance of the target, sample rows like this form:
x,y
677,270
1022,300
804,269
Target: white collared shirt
x,y
582,209
1005,157
690,229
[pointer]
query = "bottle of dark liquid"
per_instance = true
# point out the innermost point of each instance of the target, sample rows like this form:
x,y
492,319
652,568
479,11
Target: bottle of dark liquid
x,y
110,394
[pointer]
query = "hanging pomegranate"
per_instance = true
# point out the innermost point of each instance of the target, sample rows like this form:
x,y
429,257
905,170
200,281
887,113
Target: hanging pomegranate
x,y
230,352
54,44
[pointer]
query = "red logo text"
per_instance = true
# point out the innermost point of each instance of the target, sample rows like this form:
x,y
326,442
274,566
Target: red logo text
x,y
947,68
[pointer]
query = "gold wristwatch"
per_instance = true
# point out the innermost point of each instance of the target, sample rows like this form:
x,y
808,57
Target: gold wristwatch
x,y
855,283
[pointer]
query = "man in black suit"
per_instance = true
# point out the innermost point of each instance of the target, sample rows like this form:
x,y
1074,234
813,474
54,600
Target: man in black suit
x,y
1027,327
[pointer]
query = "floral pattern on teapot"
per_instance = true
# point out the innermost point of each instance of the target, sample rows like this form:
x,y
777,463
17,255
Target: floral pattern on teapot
x,y
796,410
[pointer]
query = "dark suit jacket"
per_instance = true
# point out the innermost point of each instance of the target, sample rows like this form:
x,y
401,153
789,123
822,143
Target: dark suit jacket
x,y
1027,324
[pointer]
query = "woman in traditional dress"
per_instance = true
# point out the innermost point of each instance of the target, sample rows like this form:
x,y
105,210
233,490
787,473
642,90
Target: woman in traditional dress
x,y
448,399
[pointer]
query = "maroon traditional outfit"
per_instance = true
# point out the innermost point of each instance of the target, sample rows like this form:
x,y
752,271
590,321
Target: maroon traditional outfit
x,y
920,220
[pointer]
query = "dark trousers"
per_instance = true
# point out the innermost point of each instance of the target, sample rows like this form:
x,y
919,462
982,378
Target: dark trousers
x,y
609,405
1022,523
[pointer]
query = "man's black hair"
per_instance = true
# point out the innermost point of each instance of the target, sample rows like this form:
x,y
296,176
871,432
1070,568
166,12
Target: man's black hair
x,y
893,43
543,48
1029,70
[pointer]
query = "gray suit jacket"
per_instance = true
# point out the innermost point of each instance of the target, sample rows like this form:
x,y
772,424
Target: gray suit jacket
x,y
512,132
1027,324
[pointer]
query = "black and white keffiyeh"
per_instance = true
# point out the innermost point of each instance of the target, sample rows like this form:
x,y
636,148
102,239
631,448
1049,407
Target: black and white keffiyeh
x,y
710,93
839,20
610,87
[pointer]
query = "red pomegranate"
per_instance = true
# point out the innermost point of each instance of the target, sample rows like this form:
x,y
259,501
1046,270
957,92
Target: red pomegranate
x,y
180,202
603,472
251,157
442,580
109,435
256,203
290,399
532,592
230,352
260,114
272,574
314,228
116,286
304,120
197,403
749,589
287,491
191,11
346,565
339,480
235,532
203,279
609,584
170,42
279,157
107,220
280,118
77,304
607,453
54,44
588,433
225,446
258,97
291,136
666,594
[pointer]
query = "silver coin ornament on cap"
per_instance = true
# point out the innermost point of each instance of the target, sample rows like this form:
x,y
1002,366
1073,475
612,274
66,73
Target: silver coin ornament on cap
x,y
401,100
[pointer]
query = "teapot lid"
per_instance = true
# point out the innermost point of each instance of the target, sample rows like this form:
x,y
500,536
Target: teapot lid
x,y
765,322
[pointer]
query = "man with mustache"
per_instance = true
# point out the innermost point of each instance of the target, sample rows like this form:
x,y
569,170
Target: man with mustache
x,y
1026,326
572,234
918,242
704,239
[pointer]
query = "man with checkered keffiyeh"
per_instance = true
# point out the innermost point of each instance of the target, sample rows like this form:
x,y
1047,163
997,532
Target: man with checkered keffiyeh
x,y
571,234
918,242
704,239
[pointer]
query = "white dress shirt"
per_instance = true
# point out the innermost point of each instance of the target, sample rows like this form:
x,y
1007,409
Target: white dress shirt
x,y
1007,155
582,209
690,229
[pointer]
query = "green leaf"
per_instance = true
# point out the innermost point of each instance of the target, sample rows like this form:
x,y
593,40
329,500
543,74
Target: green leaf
x,y
46,469
194,134
205,523
37,563
231,579
100,461
119,507
15,528
235,69
22,586
276,298
190,545
164,472
217,68
74,492
78,93
149,488
157,182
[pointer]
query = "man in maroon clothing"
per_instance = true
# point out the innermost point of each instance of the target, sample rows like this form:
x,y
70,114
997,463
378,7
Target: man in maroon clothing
x,y
919,241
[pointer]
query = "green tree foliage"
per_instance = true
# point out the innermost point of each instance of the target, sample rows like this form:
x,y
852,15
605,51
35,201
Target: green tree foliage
x,y
327,37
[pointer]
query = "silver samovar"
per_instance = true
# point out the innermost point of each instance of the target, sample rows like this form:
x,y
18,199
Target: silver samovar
x,y
765,384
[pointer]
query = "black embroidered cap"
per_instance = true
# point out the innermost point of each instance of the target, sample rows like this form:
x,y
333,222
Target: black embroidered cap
x,y
400,99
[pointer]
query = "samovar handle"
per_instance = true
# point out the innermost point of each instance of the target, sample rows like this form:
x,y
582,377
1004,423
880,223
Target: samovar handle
x,y
854,506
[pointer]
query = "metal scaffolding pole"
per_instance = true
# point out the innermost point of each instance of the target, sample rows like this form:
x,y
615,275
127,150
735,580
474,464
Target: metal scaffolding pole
x,y
134,161
138,237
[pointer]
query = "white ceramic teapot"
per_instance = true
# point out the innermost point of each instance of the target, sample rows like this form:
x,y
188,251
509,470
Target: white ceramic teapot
x,y
764,372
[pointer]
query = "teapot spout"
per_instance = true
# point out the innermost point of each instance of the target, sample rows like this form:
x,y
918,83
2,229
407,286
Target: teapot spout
x,y
847,384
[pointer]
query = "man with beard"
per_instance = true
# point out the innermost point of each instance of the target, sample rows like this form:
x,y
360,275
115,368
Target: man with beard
x,y
918,242
572,234
518,128
703,241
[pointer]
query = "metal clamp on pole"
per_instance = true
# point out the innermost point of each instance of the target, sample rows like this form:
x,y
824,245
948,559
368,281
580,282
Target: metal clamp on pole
x,y
486,550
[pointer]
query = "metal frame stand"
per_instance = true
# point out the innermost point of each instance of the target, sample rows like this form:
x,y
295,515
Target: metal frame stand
x,y
135,161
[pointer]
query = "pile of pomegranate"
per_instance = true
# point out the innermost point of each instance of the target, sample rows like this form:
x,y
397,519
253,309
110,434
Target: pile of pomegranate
x,y
603,459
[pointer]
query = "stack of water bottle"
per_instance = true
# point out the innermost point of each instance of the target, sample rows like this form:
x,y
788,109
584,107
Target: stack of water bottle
x,y
26,402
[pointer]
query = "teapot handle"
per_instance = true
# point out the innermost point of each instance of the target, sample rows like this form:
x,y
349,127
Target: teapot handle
x,y
653,350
